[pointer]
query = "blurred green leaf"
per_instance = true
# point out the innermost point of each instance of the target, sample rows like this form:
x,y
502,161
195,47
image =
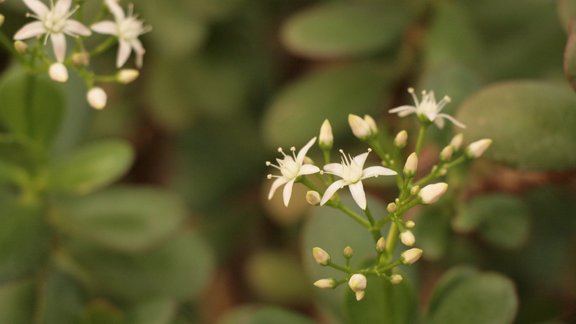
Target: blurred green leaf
x,y
531,123
384,303
474,298
17,302
263,315
506,220
297,112
91,167
24,239
452,278
11,173
122,218
179,268
32,107
340,29
433,232
263,270
570,57
160,311
62,299
101,312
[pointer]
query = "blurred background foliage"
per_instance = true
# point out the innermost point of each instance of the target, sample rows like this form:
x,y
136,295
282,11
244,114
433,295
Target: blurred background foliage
x,y
153,211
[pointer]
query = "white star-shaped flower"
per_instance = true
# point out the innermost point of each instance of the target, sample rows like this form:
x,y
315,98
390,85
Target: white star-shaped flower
x,y
291,167
53,22
428,109
352,172
127,28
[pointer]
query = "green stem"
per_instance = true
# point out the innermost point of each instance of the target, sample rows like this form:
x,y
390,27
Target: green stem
x,y
352,215
103,46
373,228
391,239
337,267
420,140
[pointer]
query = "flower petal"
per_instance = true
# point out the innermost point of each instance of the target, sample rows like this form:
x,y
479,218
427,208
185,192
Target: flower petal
x,y
124,51
302,153
275,185
403,111
59,46
115,9
62,7
287,192
452,119
361,159
439,121
105,27
375,171
139,49
37,7
357,191
74,28
30,30
308,169
334,168
331,190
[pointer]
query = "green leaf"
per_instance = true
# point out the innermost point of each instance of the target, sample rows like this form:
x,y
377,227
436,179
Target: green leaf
x,y
62,299
179,268
531,123
483,298
570,58
341,29
32,107
507,221
24,239
433,232
17,302
101,312
384,303
263,314
91,167
161,311
297,112
122,218
452,278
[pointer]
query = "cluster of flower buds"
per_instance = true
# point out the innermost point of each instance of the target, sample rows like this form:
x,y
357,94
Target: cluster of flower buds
x,y
55,22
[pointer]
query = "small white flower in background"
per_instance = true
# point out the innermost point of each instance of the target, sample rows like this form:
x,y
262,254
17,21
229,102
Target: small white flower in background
x,y
54,22
326,138
381,245
97,98
58,72
325,283
428,108
362,128
432,192
126,76
348,252
401,139
320,256
358,284
396,279
476,149
407,238
411,165
291,167
456,141
127,28
20,47
352,173
411,256
313,197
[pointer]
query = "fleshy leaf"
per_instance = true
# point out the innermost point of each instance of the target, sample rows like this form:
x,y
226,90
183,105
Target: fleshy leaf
x,y
263,314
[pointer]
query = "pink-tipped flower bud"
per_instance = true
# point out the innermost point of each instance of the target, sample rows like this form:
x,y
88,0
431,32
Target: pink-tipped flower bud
x,y
58,72
97,98
432,192
325,283
320,256
401,139
326,138
411,256
358,284
476,149
407,238
411,165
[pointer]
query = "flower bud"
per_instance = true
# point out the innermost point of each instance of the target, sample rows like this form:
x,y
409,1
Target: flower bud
x,y
392,207
348,252
58,72
381,245
322,257
411,256
313,198
415,190
396,279
326,138
126,76
456,141
476,149
81,58
401,139
325,283
2,19
407,238
371,124
20,47
446,153
359,126
409,224
97,98
432,192
358,283
411,165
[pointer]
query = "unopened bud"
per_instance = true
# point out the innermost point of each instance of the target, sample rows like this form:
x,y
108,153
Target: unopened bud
x,y
411,165
381,245
411,256
407,238
58,72
396,279
126,76
358,284
409,224
401,139
97,98
371,124
322,257
456,141
432,192
20,47
392,207
2,19
326,138
415,190
348,252
446,153
359,126
476,149
313,198
81,58
325,283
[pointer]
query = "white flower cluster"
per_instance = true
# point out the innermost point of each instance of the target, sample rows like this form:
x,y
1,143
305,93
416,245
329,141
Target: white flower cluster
x,y
55,22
